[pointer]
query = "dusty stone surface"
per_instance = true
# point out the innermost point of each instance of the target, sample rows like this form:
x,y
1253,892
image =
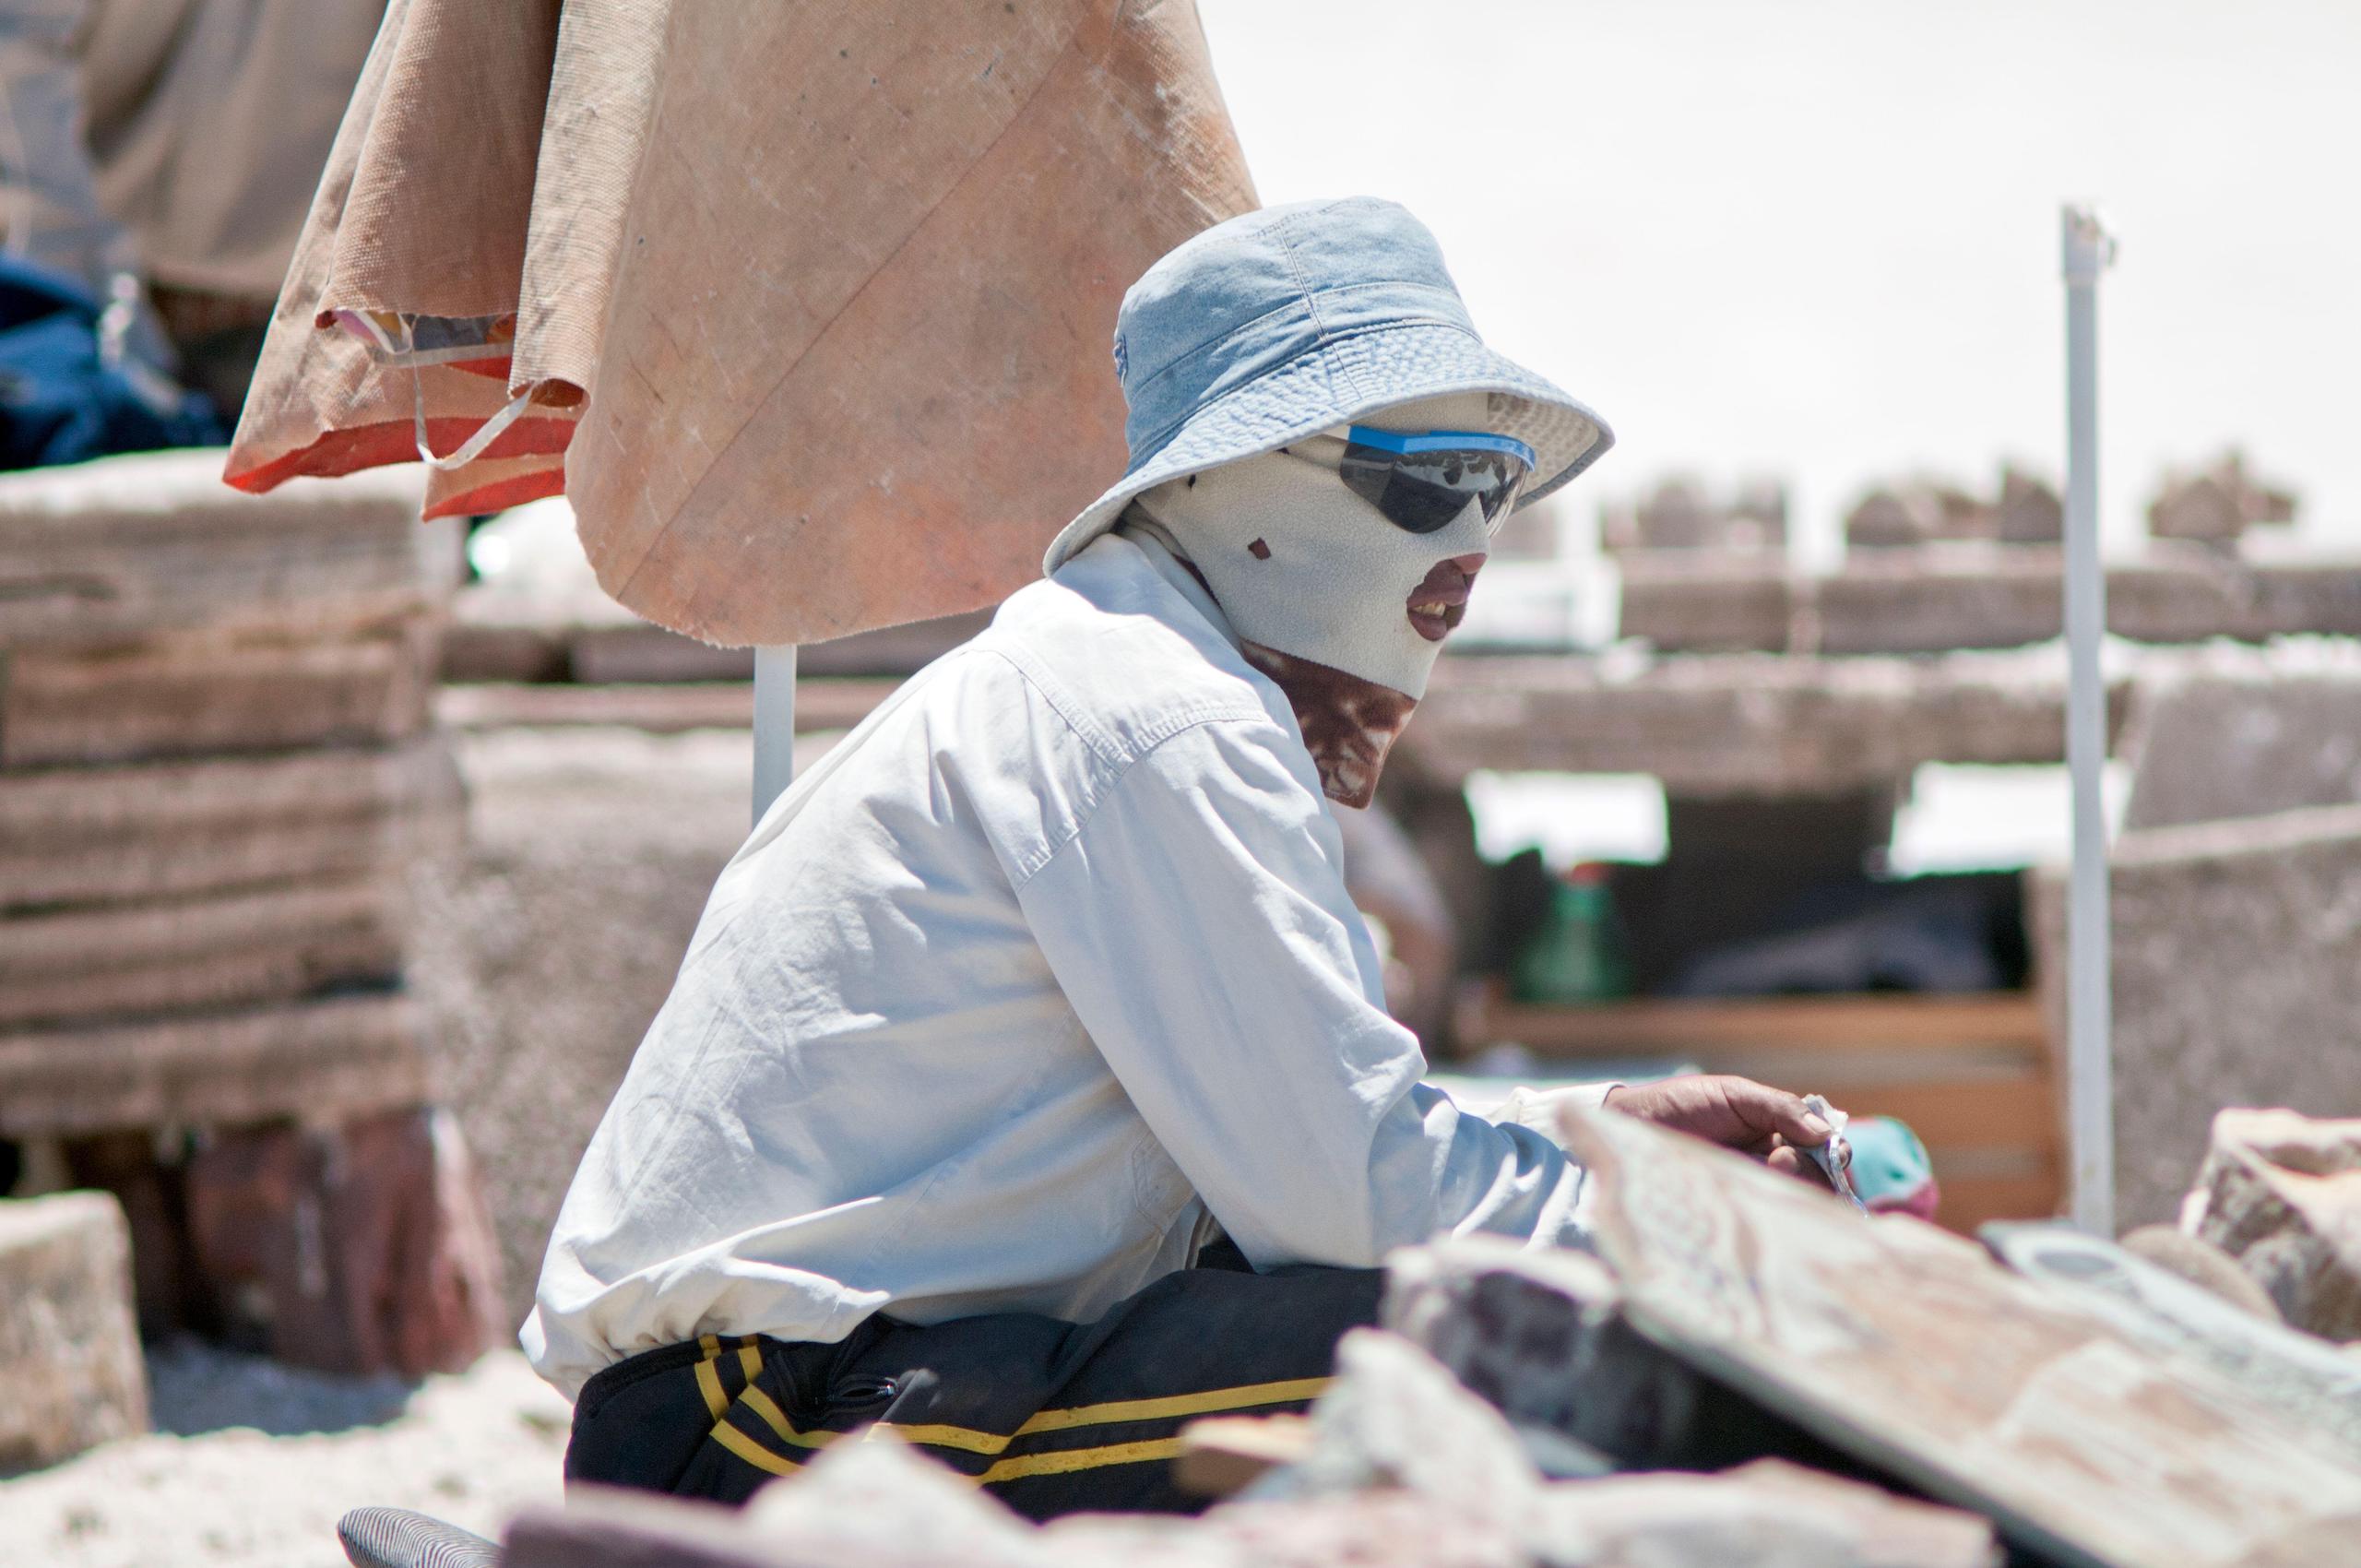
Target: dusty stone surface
x,y
2203,1265
545,952
2282,1194
2243,744
2237,981
1538,1335
472,1449
1397,1419
70,1374
884,1500
1766,1513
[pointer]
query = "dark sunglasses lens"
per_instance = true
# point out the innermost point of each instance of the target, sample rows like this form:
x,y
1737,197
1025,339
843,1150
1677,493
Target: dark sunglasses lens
x,y
1422,491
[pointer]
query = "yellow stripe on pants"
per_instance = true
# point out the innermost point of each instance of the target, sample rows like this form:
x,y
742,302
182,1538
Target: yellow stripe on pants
x,y
966,1438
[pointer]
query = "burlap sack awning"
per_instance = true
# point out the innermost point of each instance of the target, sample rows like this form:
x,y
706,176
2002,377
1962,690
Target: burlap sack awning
x,y
807,308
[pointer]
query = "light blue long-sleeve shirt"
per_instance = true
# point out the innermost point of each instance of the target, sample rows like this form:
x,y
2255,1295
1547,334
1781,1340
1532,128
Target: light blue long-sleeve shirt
x,y
1045,969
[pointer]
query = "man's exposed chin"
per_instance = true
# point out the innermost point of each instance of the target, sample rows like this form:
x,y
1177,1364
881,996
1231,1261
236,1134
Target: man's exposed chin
x,y
1350,724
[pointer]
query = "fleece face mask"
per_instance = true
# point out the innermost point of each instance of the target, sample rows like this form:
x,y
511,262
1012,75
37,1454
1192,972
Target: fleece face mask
x,y
1343,608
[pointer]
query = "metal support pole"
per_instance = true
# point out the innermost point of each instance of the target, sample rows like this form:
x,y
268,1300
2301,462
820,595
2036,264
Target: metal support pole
x,y
2087,251
774,724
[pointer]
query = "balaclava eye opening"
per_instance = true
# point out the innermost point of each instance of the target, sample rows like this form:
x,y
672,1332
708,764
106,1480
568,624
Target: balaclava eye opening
x,y
1343,610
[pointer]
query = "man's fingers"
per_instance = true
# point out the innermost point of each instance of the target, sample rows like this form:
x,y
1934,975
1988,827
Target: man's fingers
x,y
1790,1160
1769,1111
1735,1112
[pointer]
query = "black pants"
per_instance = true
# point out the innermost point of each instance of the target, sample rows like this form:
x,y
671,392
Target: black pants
x,y
1050,1417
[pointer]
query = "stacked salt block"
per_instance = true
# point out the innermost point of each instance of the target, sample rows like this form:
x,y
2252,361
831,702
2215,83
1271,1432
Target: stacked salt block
x,y
69,1355
216,770
2280,1195
2216,504
2236,949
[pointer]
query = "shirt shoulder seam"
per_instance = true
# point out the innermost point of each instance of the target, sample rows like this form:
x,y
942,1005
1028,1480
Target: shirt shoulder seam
x,y
1110,751
1178,725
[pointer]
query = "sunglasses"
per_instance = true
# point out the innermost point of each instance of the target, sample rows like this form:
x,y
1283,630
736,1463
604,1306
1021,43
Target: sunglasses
x,y
1422,482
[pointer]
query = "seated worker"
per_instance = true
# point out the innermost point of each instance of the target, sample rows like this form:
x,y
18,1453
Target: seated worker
x,y
1028,1087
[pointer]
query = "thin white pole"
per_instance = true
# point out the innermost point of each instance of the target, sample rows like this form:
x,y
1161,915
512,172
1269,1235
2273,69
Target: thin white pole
x,y
2087,250
774,724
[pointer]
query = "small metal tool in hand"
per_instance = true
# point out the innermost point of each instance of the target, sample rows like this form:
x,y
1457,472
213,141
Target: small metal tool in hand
x,y
1834,1158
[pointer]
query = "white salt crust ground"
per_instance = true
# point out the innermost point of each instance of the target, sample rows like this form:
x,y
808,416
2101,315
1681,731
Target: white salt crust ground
x,y
471,1449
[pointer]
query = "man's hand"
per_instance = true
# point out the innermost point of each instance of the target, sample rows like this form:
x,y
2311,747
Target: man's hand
x,y
1736,1113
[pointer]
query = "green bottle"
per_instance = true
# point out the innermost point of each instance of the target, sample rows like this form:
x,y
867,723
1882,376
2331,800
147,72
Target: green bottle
x,y
1577,953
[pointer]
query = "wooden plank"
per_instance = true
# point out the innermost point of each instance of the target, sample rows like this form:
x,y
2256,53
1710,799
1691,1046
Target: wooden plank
x,y
297,967
1917,1354
658,709
1969,596
890,651
1648,1025
93,802
1223,1454
311,1059
246,948
94,941
1970,1202
1706,601
1846,1074
124,548
836,703
2190,593
194,695
2018,1113
164,829
474,651
636,653
604,655
252,854
1715,726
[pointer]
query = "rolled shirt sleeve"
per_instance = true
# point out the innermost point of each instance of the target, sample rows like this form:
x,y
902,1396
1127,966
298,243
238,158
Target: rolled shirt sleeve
x,y
1198,923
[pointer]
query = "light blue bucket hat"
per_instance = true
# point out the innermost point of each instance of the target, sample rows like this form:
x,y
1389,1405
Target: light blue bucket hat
x,y
1298,319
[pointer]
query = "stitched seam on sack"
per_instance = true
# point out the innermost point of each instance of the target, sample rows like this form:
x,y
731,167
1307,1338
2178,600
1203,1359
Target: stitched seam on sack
x,y
958,182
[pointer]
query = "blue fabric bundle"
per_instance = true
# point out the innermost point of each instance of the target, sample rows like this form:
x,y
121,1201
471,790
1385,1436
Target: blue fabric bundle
x,y
60,401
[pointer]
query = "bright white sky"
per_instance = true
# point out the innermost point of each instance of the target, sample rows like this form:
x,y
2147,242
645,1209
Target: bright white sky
x,y
1819,238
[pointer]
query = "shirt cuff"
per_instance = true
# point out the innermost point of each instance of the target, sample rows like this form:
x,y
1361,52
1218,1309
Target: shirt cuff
x,y
1538,1109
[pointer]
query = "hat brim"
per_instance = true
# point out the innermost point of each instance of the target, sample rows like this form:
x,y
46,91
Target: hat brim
x,y
1343,380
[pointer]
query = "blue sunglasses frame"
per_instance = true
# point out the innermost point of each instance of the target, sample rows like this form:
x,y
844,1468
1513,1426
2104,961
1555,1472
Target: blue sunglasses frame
x,y
1442,441
1419,482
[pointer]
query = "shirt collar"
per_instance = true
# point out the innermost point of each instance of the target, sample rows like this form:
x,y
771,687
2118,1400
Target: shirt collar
x,y
1153,542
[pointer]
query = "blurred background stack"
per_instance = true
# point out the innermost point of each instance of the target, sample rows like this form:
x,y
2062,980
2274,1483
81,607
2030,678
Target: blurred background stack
x,y
218,764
